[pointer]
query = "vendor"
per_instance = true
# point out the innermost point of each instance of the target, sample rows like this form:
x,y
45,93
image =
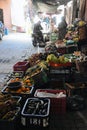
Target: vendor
x,y
62,29
37,29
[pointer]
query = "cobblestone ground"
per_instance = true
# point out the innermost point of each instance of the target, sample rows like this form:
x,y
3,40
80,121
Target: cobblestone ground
x,y
13,48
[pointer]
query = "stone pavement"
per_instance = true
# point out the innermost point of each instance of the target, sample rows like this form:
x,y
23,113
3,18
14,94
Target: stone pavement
x,y
13,48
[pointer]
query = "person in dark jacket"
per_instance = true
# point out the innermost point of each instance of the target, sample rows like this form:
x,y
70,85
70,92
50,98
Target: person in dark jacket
x,y
62,29
37,29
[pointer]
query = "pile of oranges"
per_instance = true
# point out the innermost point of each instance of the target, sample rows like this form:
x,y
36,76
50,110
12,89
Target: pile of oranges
x,y
26,85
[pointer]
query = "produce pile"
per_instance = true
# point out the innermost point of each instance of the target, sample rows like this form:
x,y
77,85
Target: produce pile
x,y
81,23
55,59
75,33
25,88
71,37
8,107
42,65
34,59
37,73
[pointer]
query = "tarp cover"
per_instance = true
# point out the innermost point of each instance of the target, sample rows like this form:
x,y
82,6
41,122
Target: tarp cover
x,y
40,6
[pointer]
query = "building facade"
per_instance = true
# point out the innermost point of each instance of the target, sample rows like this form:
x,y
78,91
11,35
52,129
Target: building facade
x,y
5,5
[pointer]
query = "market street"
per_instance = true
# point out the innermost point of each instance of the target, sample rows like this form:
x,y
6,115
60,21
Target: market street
x,y
13,48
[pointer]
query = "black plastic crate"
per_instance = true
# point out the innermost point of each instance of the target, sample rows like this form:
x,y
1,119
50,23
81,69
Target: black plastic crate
x,y
62,50
14,93
34,116
71,48
62,72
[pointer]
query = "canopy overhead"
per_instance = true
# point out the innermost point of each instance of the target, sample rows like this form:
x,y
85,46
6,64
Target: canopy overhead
x,y
47,6
42,7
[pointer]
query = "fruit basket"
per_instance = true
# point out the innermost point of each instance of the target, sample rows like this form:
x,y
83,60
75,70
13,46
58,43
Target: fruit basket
x,y
36,112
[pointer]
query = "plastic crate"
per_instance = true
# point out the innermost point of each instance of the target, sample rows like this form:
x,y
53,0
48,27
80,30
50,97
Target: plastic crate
x,y
21,66
24,95
71,48
58,105
56,83
60,71
35,117
58,65
54,78
62,50
13,124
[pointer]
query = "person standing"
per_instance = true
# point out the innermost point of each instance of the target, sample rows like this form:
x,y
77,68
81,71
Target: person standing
x,y
37,29
62,29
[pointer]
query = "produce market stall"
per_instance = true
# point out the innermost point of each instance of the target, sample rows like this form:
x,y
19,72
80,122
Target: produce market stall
x,y
45,84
